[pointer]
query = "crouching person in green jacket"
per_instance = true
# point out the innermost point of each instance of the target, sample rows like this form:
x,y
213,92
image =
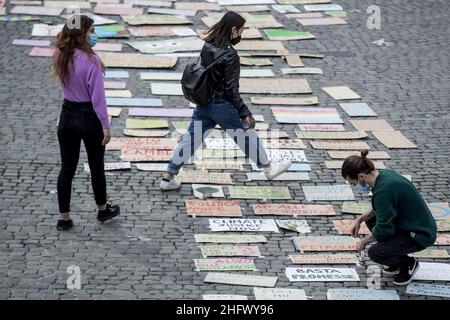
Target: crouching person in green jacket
x,y
400,222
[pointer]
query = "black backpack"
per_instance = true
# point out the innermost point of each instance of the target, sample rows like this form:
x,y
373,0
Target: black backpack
x,y
194,82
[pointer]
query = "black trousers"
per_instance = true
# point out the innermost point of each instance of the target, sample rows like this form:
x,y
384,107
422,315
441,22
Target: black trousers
x,y
393,251
78,121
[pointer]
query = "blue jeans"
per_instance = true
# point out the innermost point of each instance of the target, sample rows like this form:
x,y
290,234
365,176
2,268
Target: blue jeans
x,y
224,114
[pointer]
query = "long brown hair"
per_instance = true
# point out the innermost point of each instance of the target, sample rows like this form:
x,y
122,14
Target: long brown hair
x,y
220,33
73,36
355,165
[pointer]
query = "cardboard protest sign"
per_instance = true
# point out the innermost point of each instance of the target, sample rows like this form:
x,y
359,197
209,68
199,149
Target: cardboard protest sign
x,y
160,112
111,74
372,125
34,43
373,155
303,1
219,165
255,62
176,12
361,294
114,112
356,207
135,155
203,191
252,21
17,18
111,31
151,166
394,140
224,264
248,225
307,15
279,294
293,60
321,127
337,164
117,9
336,258
213,208
325,243
168,76
155,19
425,289
282,34
111,166
321,274
285,8
358,109
284,100
166,89
344,226
223,296
290,209
301,71
146,124
260,45
229,238
295,166
247,34
204,177
136,60
272,134
443,225
442,240
41,52
118,93
323,7
300,226
220,144
220,154
167,46
306,115
230,251
340,145
115,85
328,193
274,86
433,272
257,73
259,192
286,176
439,210
343,135
146,133
327,21
341,93
158,31
203,6
239,2
240,279
283,144
103,46
36,10
431,254
244,9
286,154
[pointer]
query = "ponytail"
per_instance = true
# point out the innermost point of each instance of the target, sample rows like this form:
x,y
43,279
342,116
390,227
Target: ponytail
x,y
355,165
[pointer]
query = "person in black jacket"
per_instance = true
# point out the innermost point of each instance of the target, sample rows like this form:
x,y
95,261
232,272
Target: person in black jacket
x,y
226,108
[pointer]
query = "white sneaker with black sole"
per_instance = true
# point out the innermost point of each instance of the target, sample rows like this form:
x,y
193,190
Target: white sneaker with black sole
x,y
277,168
407,272
170,185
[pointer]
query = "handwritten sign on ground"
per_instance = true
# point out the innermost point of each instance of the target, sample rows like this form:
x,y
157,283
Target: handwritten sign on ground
x,y
259,192
373,155
225,264
301,71
139,155
321,127
134,102
328,193
151,166
240,279
219,165
146,124
358,109
394,140
204,191
424,289
283,144
325,21
290,209
261,225
223,296
213,208
204,177
220,144
356,207
136,60
141,143
433,271
146,133
45,30
343,135
252,21
279,294
155,19
344,227
111,166
442,239
230,251
160,112
274,86
284,100
300,226
321,274
255,62
431,254
260,45
295,166
340,145
281,34
286,176
361,294
337,164
341,93
168,46
443,225
286,154
229,238
166,89
36,10
158,31
338,258
372,125
306,115
439,210
325,243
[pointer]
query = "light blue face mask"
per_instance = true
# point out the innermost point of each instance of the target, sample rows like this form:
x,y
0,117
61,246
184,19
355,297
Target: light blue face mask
x,y
92,40
362,188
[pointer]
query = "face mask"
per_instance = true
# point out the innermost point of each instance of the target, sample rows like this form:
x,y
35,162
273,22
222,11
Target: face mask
x,y
362,188
92,40
236,40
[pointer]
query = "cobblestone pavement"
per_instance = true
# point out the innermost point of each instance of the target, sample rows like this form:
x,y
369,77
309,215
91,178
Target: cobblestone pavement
x,y
407,83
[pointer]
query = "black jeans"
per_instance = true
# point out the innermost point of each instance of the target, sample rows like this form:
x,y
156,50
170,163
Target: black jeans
x,y
393,251
78,121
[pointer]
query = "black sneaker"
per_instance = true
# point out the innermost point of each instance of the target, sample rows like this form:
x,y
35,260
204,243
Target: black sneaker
x,y
64,225
407,272
391,271
109,213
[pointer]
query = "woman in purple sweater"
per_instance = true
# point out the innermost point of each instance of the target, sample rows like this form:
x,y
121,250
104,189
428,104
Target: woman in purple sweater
x,y
84,114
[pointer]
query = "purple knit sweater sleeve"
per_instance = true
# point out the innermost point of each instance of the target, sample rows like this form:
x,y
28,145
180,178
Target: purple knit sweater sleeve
x,y
96,89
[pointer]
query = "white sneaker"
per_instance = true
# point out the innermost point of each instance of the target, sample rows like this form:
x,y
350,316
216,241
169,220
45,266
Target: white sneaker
x,y
170,185
276,169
